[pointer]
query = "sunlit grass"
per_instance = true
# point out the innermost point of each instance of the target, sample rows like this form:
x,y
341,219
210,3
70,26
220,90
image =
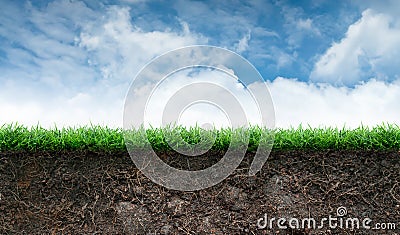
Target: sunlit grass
x,y
15,137
382,137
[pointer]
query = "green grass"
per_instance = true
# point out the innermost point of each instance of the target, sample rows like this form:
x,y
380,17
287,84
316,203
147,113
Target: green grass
x,y
15,137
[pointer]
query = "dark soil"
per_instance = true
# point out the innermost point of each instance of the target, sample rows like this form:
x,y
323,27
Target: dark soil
x,y
102,193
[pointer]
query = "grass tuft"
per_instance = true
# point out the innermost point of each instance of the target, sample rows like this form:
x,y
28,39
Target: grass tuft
x,y
14,137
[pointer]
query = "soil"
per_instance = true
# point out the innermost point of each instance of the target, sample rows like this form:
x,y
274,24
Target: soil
x,y
104,193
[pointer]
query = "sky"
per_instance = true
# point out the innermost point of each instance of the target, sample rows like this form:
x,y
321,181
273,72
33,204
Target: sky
x,y
325,63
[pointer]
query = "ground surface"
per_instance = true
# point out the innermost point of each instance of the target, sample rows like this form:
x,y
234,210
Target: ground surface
x,y
99,193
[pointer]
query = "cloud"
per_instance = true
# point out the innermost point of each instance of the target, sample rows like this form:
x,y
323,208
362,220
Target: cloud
x,y
295,103
39,47
297,27
370,49
243,43
317,105
119,49
307,25
371,103
133,1
78,110
217,90
231,25
73,67
391,7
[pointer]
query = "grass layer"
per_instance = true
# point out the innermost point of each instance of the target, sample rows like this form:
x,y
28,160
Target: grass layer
x,y
14,137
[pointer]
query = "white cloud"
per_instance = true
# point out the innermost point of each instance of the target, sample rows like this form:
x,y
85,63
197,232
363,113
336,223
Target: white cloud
x,y
391,7
243,43
295,103
371,103
78,110
307,25
120,49
80,72
133,1
369,49
318,105
217,89
297,27
282,59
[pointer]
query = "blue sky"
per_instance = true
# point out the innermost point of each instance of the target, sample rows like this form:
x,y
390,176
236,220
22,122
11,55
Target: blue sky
x,y
325,62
